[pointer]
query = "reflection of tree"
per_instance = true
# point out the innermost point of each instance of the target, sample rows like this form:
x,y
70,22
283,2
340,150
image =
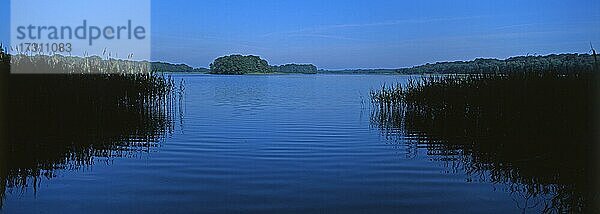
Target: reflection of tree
x,y
533,132
54,122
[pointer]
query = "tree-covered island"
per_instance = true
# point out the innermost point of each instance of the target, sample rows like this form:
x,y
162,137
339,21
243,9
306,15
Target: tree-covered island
x,y
238,64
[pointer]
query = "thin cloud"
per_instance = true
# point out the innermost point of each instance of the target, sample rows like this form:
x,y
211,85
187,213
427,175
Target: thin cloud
x,y
403,21
374,24
514,26
325,36
204,39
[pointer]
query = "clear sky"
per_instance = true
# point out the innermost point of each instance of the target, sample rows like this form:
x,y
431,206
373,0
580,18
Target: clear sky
x,y
336,34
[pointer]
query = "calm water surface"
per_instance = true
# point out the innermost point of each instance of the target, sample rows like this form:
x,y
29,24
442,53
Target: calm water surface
x,y
290,143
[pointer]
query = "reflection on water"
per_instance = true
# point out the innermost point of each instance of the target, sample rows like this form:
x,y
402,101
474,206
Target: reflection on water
x,y
539,143
274,144
58,122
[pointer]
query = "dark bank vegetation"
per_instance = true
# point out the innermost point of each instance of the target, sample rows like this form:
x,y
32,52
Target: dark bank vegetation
x,y
532,130
70,120
563,63
239,64
360,71
556,62
59,64
176,68
296,68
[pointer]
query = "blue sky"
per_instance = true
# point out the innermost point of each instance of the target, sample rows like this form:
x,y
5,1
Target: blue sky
x,y
338,34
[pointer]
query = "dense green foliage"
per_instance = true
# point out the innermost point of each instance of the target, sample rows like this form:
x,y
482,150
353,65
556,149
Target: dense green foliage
x,y
238,64
296,68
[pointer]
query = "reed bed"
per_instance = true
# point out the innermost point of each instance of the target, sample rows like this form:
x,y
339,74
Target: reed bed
x,y
534,131
78,111
58,64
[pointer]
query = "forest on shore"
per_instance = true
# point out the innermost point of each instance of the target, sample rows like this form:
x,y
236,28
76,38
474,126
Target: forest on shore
x,y
563,63
239,64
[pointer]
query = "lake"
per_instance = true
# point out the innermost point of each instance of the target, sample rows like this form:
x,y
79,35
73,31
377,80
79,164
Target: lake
x,y
270,143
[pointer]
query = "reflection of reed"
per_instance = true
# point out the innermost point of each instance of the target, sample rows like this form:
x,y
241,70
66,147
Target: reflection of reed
x,y
531,131
64,121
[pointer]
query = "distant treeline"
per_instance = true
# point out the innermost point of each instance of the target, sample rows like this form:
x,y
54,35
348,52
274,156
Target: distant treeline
x,y
359,71
296,68
239,64
174,68
562,63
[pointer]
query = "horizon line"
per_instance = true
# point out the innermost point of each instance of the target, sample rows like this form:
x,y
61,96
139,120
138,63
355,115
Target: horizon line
x,y
391,68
